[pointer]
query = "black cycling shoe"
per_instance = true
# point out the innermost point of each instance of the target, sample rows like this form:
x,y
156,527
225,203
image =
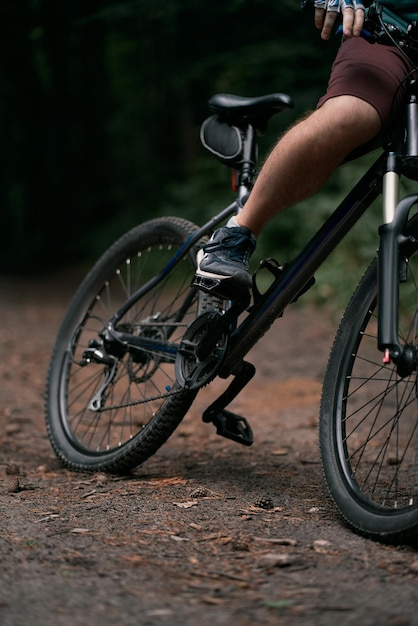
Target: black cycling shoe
x,y
222,264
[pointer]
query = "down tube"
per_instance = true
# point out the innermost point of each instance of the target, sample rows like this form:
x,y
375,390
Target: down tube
x,y
303,267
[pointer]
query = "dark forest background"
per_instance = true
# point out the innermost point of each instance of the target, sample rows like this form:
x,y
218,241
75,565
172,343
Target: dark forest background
x,y
101,103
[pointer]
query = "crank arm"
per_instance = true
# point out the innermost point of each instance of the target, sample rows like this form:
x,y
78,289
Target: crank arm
x,y
230,425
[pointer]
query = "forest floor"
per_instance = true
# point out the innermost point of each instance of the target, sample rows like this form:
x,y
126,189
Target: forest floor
x,y
206,532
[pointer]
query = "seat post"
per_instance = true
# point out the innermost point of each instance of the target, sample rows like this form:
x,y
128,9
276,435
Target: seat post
x,y
246,171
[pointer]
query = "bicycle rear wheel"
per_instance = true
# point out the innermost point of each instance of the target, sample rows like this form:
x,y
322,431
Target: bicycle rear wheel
x,y
111,410
369,417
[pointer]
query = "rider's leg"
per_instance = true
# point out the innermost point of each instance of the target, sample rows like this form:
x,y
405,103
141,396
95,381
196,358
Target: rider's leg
x,y
366,88
307,155
297,167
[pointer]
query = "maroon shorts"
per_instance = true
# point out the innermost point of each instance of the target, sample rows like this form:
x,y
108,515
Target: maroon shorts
x,y
372,72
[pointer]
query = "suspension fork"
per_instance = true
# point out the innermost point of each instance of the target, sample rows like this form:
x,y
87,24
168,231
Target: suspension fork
x,y
392,264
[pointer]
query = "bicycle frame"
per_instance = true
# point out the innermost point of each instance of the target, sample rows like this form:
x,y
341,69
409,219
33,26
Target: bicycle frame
x,y
296,275
381,178
286,287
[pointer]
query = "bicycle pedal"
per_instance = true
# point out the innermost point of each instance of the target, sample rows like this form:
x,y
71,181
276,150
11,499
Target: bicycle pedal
x,y
276,269
209,301
225,289
232,427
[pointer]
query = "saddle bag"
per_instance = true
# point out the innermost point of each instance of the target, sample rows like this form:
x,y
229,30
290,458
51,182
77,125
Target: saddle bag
x,y
222,140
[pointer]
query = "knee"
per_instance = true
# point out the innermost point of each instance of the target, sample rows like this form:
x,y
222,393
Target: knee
x,y
350,118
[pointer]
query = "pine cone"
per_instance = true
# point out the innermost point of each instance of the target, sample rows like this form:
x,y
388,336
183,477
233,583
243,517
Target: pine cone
x,y
199,492
264,502
241,542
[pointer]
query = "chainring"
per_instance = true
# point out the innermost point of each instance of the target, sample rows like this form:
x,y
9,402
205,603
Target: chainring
x,y
191,371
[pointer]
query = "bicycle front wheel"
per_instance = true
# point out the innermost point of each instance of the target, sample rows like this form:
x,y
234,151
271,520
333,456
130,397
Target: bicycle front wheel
x,y
111,409
369,417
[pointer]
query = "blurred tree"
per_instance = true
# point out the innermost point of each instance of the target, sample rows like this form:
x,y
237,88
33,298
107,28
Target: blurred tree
x,y
101,103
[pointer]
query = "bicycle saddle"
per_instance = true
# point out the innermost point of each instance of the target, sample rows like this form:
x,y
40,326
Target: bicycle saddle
x,y
257,111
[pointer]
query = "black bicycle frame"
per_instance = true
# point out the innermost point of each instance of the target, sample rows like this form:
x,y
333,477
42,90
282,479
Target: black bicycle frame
x,y
288,285
285,288
393,247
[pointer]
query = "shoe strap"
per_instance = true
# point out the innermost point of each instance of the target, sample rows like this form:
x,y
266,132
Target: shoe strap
x,y
230,241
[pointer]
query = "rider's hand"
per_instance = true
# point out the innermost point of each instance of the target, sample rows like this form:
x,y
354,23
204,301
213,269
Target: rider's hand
x,y
326,13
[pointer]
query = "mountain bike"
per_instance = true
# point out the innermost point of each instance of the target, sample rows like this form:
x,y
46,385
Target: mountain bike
x,y
142,335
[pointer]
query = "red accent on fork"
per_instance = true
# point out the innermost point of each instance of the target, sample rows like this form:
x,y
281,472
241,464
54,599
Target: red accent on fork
x,y
386,356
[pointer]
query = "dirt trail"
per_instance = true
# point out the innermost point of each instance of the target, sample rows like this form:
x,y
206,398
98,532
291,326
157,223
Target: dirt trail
x,y
206,532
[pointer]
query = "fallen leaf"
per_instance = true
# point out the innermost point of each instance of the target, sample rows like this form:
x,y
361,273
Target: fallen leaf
x,y
186,505
177,538
322,546
281,542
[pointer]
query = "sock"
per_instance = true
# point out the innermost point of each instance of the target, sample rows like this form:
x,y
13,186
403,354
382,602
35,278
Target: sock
x,y
232,223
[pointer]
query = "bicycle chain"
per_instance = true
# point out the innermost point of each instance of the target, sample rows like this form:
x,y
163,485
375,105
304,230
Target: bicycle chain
x,y
128,404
